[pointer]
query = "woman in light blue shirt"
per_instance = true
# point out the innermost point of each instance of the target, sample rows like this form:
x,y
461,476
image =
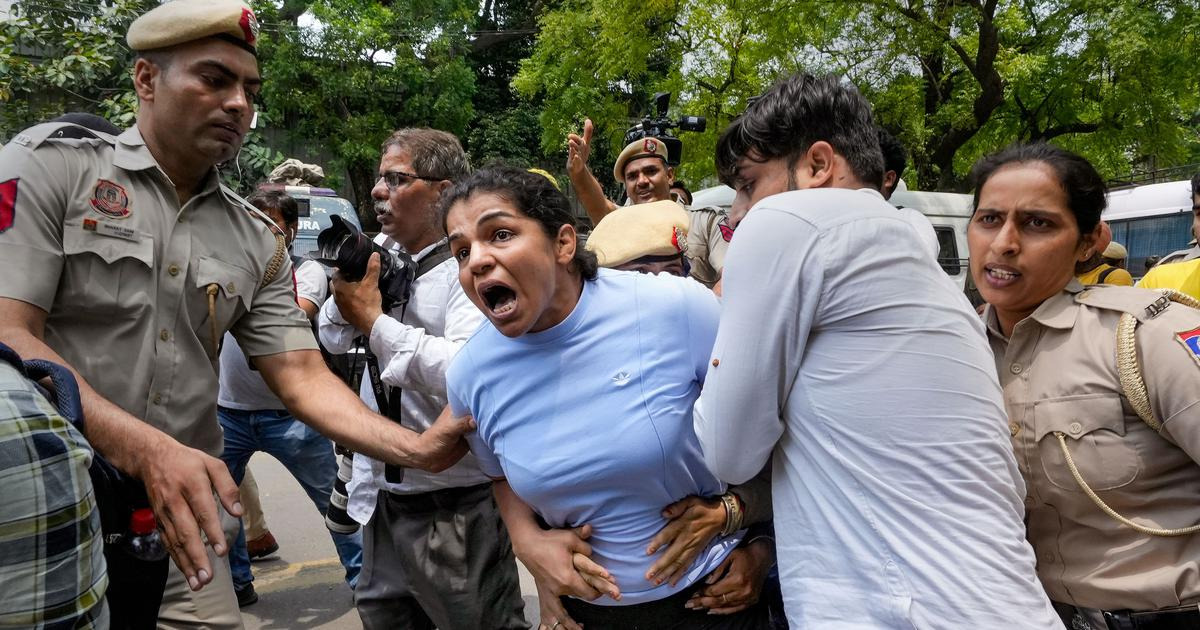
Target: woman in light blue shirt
x,y
582,385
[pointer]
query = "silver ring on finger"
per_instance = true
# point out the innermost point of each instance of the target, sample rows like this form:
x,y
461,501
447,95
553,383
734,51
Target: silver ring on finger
x,y
556,624
724,600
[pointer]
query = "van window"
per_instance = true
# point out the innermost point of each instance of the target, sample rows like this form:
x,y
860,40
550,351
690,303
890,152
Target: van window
x,y
1151,236
948,250
319,211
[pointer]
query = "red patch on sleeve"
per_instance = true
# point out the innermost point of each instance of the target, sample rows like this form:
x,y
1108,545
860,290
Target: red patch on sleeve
x,y
8,203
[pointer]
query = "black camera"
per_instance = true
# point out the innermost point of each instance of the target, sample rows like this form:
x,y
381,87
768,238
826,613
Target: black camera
x,y
660,127
341,245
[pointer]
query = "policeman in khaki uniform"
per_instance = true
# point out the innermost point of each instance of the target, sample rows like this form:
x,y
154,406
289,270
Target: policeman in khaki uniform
x,y
1102,389
128,260
642,167
650,238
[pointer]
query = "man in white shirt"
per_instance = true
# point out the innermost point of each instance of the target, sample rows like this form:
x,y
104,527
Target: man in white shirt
x,y
435,552
253,419
865,372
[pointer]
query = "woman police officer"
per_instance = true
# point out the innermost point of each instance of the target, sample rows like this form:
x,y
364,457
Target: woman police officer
x,y
1102,388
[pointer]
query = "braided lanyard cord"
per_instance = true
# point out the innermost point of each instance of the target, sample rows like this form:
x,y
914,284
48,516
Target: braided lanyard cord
x,y
1152,531
273,267
1134,388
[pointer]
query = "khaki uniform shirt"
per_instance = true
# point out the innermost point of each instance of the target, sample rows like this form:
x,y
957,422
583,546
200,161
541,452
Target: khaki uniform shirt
x,y
706,245
1183,255
1059,373
96,237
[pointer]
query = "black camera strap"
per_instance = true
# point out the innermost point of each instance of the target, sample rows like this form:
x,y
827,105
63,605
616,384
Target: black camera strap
x,y
377,386
387,399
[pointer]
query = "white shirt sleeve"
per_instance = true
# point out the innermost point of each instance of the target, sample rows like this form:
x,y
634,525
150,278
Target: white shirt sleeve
x,y
311,282
924,228
335,333
772,291
410,357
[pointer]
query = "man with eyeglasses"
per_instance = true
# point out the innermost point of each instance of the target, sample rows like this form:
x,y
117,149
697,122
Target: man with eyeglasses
x,y
126,260
434,550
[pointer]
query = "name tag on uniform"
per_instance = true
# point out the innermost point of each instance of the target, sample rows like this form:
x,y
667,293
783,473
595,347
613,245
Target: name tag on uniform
x,y
104,228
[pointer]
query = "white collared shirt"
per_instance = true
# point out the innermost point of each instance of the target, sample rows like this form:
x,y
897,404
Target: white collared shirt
x,y
846,352
413,355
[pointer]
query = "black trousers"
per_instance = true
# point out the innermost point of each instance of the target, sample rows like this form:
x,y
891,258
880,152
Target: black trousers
x,y
664,614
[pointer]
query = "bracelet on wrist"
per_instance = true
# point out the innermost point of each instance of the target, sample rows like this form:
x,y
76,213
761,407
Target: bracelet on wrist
x,y
734,513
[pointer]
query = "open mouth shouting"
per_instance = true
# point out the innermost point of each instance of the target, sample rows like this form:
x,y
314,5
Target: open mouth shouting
x,y
500,299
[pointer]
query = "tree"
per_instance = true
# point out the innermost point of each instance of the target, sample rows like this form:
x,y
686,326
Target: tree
x,y
361,69
958,79
600,59
952,78
57,57
505,127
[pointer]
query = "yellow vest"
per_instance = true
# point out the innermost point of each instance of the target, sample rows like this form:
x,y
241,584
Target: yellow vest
x,y
1118,276
1183,277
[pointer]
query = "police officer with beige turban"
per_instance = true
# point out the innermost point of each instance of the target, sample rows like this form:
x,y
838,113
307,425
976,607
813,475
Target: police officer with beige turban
x,y
127,260
1102,389
642,166
650,238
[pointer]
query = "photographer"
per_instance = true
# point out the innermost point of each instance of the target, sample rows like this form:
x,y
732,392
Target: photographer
x,y
644,169
434,550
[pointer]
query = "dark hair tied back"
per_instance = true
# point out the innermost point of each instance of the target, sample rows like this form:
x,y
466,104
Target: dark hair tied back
x,y
1078,178
532,194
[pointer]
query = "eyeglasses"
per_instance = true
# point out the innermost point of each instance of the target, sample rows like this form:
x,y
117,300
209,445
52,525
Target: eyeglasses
x,y
400,179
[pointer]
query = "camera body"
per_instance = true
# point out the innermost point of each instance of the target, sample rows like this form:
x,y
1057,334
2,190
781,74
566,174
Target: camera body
x,y
341,245
659,126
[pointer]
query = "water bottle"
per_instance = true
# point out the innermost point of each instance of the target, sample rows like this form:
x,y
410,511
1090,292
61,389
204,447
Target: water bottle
x,y
144,542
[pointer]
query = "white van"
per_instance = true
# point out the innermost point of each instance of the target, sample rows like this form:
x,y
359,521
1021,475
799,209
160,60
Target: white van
x,y
948,212
1150,221
316,206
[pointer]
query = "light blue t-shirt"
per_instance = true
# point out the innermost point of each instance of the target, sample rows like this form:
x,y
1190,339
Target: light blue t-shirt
x,y
591,421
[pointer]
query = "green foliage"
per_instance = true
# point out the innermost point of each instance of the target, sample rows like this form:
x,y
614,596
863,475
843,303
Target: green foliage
x,y
57,57
255,161
364,69
953,80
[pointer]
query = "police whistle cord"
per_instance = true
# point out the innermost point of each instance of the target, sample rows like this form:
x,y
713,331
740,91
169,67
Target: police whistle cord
x,y
1152,531
1134,388
212,317
273,267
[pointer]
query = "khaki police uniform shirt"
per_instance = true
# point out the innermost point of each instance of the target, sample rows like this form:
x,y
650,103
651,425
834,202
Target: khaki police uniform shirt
x,y
706,245
95,236
1059,373
1183,255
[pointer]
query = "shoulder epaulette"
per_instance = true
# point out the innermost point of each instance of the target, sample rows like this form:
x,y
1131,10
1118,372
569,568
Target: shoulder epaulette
x,y
1143,304
707,209
281,252
37,135
237,200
